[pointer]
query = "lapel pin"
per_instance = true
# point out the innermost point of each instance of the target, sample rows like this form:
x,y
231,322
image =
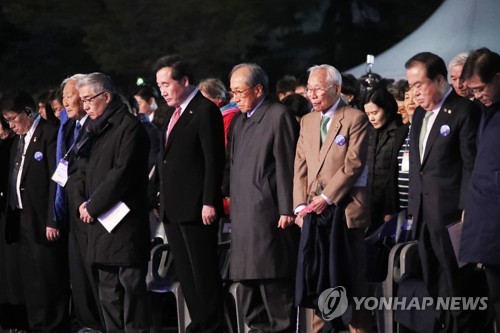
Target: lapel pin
x,y
190,112
38,156
34,139
340,140
445,130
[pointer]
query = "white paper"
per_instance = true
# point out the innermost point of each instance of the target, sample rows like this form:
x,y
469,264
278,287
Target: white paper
x,y
60,176
115,215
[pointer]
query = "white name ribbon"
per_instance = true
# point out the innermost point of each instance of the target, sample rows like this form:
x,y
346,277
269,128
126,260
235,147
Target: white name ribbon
x,y
60,176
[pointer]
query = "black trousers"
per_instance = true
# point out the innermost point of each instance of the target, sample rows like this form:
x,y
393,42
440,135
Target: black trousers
x,y
493,278
194,251
123,297
44,276
83,287
444,278
268,305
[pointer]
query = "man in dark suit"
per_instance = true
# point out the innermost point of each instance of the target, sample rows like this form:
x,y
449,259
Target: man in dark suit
x,y
190,169
114,174
72,132
442,154
30,218
264,239
480,241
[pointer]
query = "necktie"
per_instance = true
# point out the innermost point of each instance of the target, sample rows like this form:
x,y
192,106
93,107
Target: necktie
x,y
423,132
175,117
324,129
76,131
13,200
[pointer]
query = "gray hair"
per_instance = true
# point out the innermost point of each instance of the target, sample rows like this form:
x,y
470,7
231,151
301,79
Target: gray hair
x,y
333,76
75,77
98,81
257,75
458,60
214,88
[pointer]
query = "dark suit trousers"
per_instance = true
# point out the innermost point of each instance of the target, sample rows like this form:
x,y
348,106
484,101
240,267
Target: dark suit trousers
x,y
194,250
83,287
268,305
443,278
44,276
123,297
493,278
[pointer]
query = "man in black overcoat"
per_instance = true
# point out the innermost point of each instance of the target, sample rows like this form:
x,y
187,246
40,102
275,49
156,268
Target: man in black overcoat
x,y
114,175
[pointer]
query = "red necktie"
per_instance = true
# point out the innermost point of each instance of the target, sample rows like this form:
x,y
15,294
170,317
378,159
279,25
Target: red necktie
x,y
175,117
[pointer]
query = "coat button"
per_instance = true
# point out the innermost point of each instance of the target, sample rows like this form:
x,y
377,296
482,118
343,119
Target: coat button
x,y
421,173
164,162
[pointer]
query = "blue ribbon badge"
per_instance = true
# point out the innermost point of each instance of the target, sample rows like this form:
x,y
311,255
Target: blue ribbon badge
x,y
445,130
38,156
340,140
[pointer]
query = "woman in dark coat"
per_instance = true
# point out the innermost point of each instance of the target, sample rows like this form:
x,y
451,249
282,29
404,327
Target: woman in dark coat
x,y
381,109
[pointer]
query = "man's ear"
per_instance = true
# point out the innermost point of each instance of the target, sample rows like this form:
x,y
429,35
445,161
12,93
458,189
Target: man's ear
x,y
29,111
108,97
440,80
184,81
260,89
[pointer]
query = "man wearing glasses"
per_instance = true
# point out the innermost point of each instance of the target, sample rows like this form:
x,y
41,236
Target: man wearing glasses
x,y
480,242
263,235
330,180
30,216
113,178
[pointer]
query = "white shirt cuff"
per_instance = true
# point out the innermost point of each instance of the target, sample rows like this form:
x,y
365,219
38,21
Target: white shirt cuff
x,y
326,199
299,208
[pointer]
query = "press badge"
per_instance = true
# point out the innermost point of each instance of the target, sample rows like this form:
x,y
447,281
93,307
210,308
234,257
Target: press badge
x,y
405,164
60,176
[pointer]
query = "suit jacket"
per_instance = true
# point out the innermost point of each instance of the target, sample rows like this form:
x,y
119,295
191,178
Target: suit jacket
x,y
262,149
114,171
439,184
334,168
37,189
480,241
190,166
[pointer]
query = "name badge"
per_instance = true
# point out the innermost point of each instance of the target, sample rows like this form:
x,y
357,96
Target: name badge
x,y
405,164
60,176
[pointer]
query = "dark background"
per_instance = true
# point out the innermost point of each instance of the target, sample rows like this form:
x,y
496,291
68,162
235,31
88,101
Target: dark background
x,y
44,41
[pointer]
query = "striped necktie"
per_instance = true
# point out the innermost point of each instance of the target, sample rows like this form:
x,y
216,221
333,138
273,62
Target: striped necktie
x,y
324,128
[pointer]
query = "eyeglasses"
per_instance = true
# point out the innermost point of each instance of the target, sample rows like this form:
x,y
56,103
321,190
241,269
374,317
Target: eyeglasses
x,y
318,91
236,93
478,90
13,119
90,100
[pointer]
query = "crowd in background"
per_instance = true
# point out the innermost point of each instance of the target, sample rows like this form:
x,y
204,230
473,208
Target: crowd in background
x,y
307,174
